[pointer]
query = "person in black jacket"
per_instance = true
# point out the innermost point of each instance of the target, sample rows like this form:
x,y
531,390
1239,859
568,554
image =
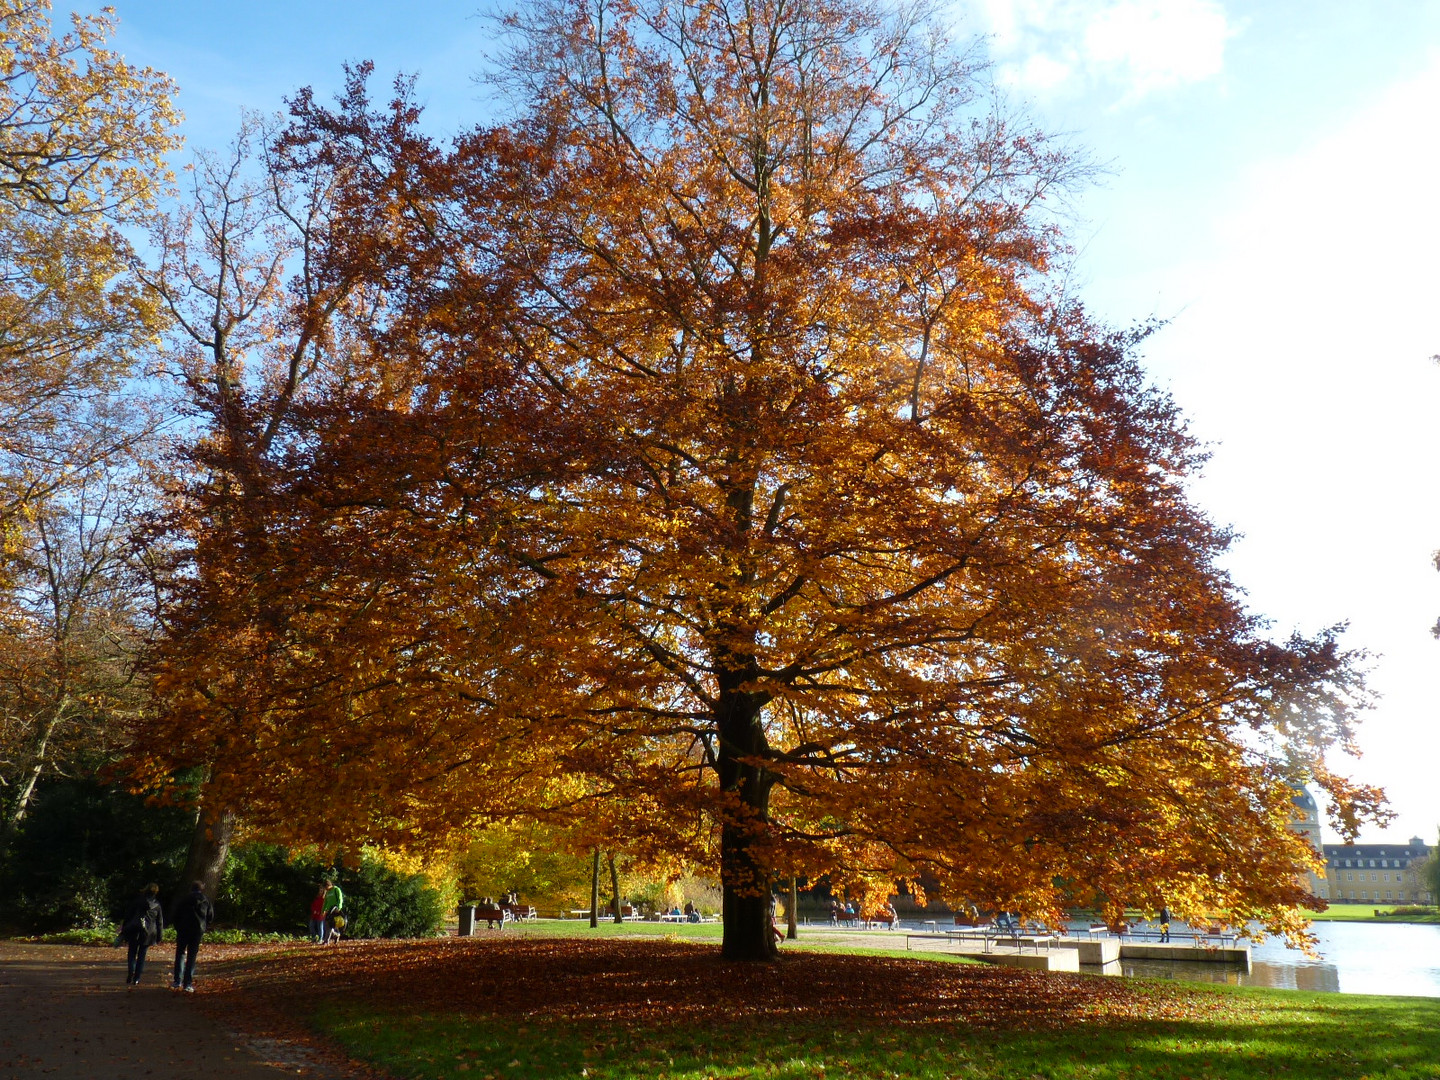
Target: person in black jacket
x,y
142,926
193,916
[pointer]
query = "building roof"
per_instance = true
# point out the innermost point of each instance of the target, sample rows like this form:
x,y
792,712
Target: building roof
x,y
1415,849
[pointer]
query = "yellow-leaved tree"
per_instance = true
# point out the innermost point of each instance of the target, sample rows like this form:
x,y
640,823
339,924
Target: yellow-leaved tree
x,y
83,141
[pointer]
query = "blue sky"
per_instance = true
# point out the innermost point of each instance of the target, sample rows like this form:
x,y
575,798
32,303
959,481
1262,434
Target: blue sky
x,y
1271,191
1272,195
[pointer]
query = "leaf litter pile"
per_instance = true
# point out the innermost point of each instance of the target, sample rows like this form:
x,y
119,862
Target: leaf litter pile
x,y
642,983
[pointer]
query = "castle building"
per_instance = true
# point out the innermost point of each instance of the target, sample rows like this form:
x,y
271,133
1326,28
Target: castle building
x,y
1376,873
1307,824
1364,873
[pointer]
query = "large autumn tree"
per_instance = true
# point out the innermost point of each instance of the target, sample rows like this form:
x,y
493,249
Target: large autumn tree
x,y
724,462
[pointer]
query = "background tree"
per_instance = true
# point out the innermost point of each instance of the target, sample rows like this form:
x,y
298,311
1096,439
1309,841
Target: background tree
x,y
83,138
240,273
1430,874
726,454
72,624
527,857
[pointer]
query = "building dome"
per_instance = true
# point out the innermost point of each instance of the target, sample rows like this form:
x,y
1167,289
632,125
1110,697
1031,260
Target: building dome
x,y
1303,800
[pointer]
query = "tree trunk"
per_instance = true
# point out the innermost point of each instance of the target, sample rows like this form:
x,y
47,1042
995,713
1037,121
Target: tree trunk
x,y
595,889
745,785
209,846
792,921
21,804
615,889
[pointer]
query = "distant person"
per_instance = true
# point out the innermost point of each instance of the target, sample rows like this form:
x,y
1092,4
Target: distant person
x,y
1164,923
141,927
333,908
193,916
317,915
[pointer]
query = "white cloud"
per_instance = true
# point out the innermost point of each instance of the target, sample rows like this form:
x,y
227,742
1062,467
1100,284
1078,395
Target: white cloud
x,y
1302,348
1136,46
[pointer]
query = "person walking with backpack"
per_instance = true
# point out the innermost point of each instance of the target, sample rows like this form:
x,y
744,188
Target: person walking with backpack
x,y
193,916
142,926
333,909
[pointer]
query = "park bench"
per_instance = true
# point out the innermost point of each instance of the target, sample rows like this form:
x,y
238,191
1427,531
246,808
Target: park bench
x,y
492,915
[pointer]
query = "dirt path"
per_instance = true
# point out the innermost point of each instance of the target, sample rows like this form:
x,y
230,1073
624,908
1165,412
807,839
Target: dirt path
x,y
66,1014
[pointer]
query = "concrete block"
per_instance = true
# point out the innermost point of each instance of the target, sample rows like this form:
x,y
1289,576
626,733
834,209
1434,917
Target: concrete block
x,y
1093,951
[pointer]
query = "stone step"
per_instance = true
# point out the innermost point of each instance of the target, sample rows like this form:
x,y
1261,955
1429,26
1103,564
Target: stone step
x,y
1237,953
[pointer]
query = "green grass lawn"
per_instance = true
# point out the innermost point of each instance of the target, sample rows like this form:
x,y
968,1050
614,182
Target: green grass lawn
x,y
1282,1033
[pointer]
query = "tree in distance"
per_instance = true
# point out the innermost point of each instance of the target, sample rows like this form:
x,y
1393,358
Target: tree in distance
x,y
83,140
721,460
257,312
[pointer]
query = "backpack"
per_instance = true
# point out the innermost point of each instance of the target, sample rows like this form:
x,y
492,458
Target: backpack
x,y
141,923
195,913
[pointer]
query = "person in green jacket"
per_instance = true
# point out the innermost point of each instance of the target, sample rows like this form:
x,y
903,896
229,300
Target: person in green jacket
x,y
334,905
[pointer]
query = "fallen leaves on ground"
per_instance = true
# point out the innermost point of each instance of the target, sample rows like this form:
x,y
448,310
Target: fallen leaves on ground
x,y
643,982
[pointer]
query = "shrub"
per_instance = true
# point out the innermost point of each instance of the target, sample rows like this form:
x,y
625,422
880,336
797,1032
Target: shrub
x,y
83,851
267,888
105,935
382,902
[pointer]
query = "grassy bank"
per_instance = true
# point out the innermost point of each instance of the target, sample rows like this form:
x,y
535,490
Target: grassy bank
x,y
631,1003
1282,1033
1377,913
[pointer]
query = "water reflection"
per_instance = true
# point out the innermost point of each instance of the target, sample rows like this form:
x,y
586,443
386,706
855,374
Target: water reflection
x,y
1319,977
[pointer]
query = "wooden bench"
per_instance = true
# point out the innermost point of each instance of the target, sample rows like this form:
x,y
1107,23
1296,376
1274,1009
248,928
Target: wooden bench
x,y
492,915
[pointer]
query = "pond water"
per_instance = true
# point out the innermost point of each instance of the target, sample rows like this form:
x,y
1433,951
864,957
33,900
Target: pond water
x,y
1355,958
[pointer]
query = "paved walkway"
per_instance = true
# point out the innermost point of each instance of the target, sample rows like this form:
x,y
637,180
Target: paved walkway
x,y
66,1014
